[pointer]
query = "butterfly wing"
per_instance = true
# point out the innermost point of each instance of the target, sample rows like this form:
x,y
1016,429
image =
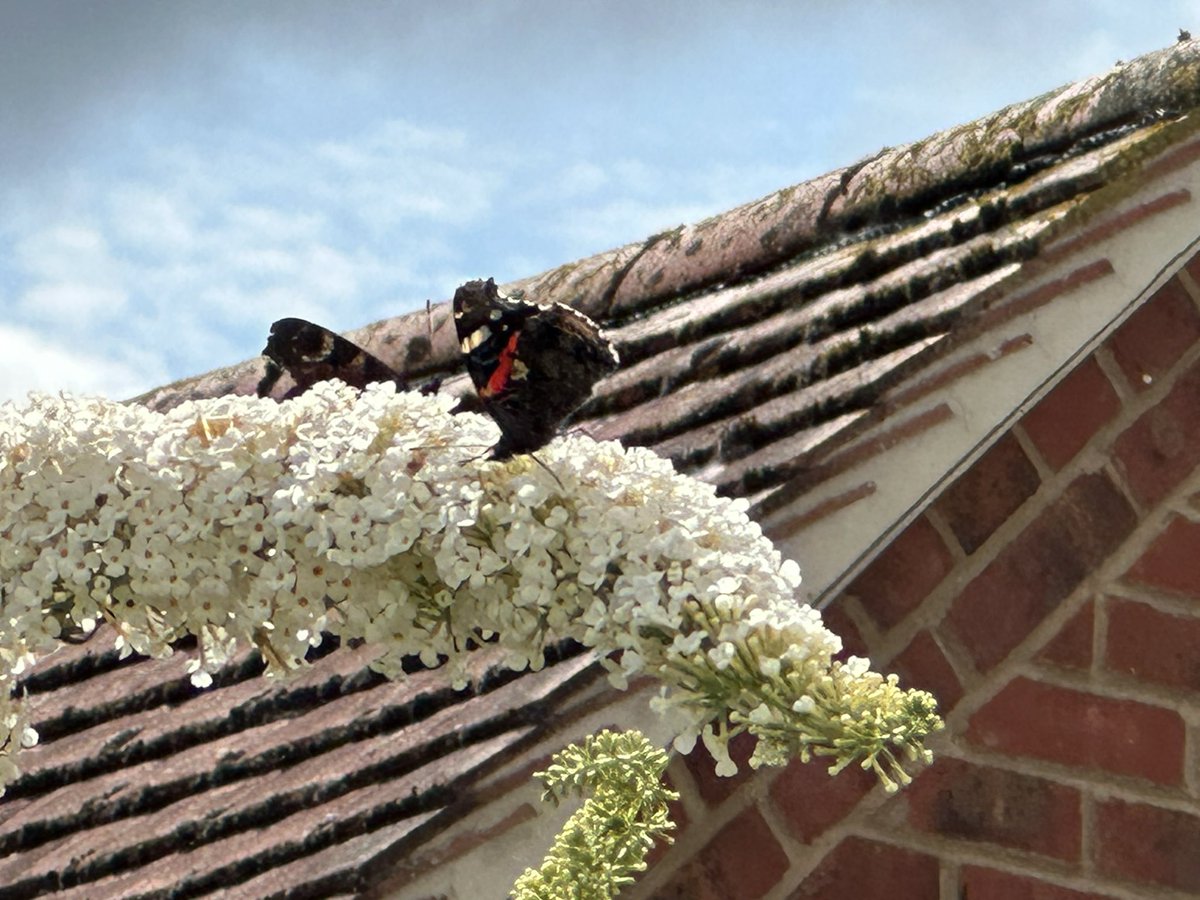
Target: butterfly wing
x,y
311,353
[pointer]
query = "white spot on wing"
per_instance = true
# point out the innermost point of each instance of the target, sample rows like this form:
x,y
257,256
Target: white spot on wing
x,y
475,338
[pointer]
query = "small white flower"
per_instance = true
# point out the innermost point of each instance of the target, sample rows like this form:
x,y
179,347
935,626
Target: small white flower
x,y
761,715
789,571
722,654
687,644
718,746
29,737
857,666
770,666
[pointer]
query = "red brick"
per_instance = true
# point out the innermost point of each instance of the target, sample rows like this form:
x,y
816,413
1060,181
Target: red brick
x,y
866,870
988,884
983,804
983,497
1153,646
903,575
1066,418
810,800
713,787
1162,447
744,860
1149,845
1072,646
1040,568
922,664
1152,339
839,622
1170,561
1085,730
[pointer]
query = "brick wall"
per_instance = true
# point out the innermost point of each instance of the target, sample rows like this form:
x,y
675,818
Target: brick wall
x,y
1051,599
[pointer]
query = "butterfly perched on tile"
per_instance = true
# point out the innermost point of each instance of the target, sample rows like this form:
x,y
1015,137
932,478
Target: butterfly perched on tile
x,y
311,353
532,365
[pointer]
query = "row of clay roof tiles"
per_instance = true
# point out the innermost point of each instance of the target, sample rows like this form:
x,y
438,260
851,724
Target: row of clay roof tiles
x,y
249,775
753,342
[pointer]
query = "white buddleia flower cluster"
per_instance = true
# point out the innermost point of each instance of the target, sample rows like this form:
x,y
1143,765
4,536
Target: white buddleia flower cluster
x,y
369,515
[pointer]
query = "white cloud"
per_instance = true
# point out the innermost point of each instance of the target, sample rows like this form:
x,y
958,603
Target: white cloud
x,y
395,137
152,219
72,304
283,224
65,251
183,267
30,361
582,178
398,174
70,276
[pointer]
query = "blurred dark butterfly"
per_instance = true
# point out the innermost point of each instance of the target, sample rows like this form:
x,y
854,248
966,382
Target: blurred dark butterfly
x,y
310,353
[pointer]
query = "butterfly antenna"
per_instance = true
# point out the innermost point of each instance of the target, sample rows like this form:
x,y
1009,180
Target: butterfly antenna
x,y
486,448
534,457
434,384
578,428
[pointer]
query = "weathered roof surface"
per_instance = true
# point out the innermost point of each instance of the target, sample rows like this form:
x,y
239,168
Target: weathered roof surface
x,y
754,344
143,784
757,339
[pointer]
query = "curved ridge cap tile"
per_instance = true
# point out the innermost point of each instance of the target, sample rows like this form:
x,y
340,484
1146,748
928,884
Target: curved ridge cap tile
x,y
1164,80
755,235
239,379
730,245
586,284
750,237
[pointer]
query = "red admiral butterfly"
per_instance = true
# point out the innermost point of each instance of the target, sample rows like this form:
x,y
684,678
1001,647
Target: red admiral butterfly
x,y
532,365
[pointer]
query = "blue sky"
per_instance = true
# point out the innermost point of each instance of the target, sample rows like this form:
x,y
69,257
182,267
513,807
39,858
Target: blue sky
x,y
174,176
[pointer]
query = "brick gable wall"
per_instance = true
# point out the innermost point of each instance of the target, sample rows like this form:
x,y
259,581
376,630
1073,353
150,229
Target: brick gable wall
x,y
1050,598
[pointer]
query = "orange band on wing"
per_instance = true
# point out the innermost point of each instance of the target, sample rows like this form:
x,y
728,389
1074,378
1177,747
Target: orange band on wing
x,y
499,379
